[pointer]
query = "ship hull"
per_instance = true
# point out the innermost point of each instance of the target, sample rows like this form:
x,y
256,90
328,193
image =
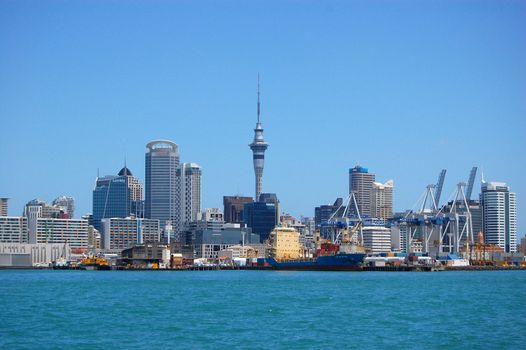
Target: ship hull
x,y
338,262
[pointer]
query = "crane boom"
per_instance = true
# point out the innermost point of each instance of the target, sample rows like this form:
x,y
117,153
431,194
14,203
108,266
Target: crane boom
x,y
471,181
440,184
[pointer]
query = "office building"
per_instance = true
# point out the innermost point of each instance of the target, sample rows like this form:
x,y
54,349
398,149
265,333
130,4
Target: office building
x,y
38,208
499,215
361,183
209,219
476,217
263,216
3,206
233,208
382,200
399,234
117,197
522,246
74,232
258,147
377,239
208,243
162,200
66,204
190,191
94,238
212,214
121,233
13,229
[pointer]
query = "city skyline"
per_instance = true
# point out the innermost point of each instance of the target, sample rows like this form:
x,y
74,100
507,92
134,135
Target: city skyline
x,y
320,120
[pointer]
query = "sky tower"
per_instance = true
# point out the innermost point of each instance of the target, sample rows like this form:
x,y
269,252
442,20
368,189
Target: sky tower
x,y
258,147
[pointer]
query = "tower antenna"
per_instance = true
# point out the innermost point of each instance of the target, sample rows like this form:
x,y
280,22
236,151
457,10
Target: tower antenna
x,y
259,109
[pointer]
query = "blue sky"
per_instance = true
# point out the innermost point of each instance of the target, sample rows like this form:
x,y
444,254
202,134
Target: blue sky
x,y
404,88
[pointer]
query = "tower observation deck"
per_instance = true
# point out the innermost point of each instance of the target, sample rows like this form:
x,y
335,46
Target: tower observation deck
x,y
258,147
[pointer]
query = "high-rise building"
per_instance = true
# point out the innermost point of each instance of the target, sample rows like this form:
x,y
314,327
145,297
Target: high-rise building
x,y
258,147
233,208
3,206
117,197
190,186
361,183
38,208
499,215
66,204
263,216
71,231
163,201
121,233
208,243
382,200
13,229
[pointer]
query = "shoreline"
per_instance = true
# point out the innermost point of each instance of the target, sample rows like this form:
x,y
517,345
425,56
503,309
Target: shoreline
x,y
365,269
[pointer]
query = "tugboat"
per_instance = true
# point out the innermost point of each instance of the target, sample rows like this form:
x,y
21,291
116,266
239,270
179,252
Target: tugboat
x,y
94,263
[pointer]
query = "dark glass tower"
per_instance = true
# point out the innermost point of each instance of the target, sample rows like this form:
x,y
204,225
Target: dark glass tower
x,y
116,197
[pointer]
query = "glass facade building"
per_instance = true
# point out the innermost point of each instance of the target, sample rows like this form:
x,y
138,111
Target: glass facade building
x,y
263,216
162,200
116,197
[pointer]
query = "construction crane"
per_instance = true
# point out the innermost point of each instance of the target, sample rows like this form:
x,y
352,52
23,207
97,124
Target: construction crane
x,y
439,185
471,181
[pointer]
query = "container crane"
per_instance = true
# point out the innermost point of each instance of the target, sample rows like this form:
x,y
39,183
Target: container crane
x,y
471,181
439,185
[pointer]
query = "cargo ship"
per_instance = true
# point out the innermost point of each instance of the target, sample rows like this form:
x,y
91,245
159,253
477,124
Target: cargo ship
x,y
344,252
338,262
330,257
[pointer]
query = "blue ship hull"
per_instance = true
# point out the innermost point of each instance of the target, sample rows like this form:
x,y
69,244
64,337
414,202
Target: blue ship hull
x,y
338,262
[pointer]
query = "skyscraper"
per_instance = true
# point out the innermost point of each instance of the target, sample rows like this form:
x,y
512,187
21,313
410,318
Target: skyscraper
x,y
499,215
382,200
262,216
190,183
258,147
233,208
162,200
116,197
361,183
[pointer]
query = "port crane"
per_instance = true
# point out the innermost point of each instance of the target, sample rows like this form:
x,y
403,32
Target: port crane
x,y
344,228
471,181
439,185
431,224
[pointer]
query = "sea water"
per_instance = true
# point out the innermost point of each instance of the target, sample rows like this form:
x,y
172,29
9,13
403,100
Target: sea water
x,y
262,310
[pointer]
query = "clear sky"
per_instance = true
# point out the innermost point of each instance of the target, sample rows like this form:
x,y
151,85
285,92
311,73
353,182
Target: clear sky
x,y
404,88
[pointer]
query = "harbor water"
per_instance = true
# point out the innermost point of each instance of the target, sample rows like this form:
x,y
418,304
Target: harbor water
x,y
262,310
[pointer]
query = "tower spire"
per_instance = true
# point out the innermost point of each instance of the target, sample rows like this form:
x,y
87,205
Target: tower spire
x,y
259,108
258,147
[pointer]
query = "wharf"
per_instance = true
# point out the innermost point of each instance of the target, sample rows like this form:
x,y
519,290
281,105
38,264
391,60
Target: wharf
x,y
485,268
